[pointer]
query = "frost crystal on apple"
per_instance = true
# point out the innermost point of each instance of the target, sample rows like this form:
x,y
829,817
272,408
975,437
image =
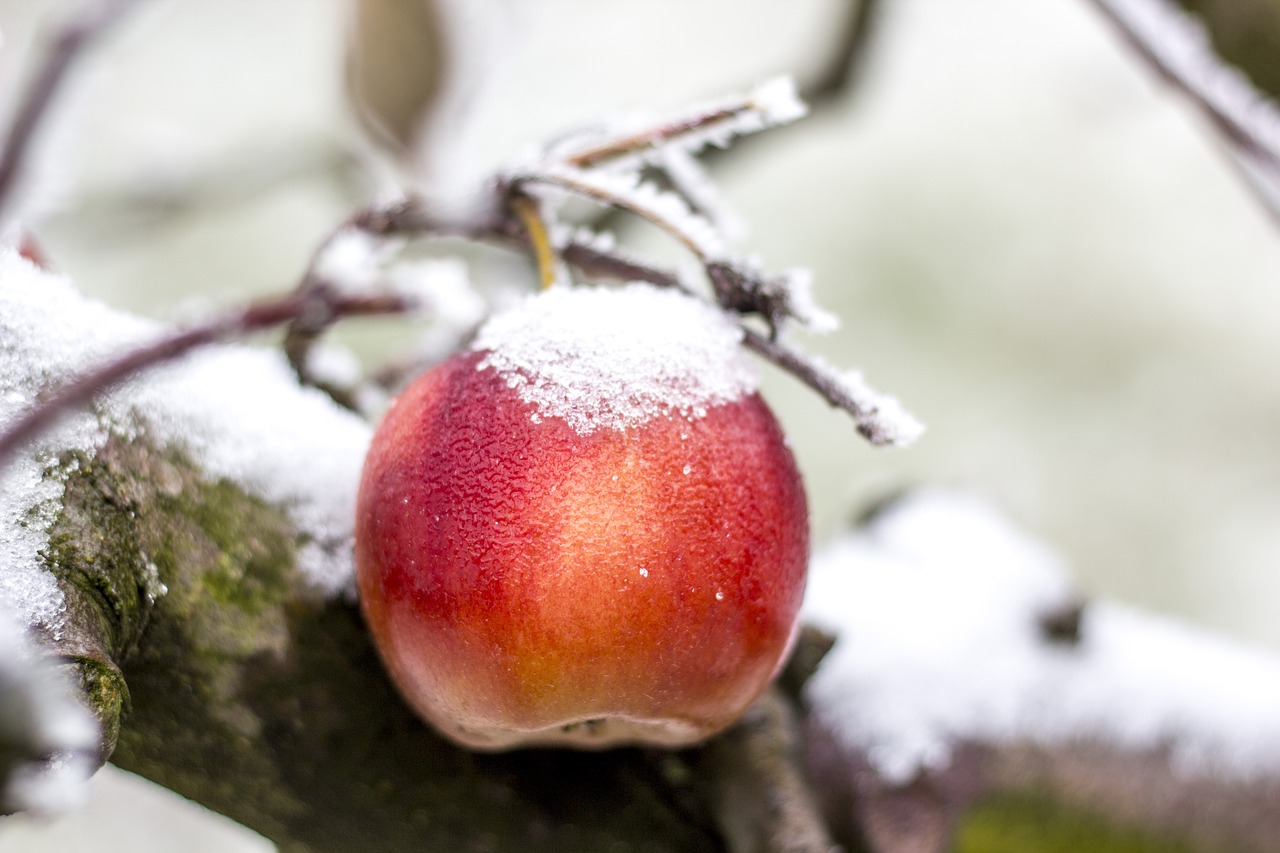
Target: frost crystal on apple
x,y
617,358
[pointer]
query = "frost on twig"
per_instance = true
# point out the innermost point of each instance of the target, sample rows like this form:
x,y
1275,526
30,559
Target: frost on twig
x,y
352,257
629,145
1178,48
939,604
610,170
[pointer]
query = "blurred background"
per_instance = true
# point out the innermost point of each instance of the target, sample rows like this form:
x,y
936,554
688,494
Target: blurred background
x,y
1031,242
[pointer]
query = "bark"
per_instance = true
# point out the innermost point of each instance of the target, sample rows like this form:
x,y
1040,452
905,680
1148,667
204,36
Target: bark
x,y
1246,33
255,696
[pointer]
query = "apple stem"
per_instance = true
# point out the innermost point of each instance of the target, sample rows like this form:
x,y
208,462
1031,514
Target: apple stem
x,y
529,212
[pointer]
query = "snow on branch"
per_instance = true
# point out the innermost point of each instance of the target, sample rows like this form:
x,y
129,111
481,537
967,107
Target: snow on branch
x,y
771,104
238,410
940,606
48,741
609,173
100,351
1176,45
629,191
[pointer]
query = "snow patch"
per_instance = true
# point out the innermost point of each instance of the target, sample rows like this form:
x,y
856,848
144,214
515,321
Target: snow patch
x,y
440,288
617,358
40,716
778,101
804,308
898,426
936,605
238,410
352,259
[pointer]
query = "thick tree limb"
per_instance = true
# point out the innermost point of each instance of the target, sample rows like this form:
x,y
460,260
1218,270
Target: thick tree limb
x,y
253,695
966,675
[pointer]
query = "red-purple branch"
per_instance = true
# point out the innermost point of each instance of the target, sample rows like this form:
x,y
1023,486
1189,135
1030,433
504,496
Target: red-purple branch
x,y
66,47
256,317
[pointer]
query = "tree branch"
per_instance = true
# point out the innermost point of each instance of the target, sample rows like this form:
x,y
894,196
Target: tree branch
x,y
841,70
320,301
66,48
761,798
1175,46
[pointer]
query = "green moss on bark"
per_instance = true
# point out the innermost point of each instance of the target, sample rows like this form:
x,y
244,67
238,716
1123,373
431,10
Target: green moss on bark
x,y
1031,824
1247,35
249,693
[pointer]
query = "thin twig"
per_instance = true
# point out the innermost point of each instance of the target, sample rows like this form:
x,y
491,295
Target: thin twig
x,y
1174,45
654,138
585,185
410,216
880,428
612,265
66,47
870,420
256,317
841,71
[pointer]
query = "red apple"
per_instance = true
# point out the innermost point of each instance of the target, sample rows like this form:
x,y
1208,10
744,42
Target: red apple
x,y
588,531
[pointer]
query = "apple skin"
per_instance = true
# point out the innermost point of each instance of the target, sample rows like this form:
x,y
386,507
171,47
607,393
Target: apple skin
x,y
529,585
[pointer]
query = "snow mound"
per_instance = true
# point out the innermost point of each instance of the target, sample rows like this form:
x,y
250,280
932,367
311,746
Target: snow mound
x,y
40,715
616,358
237,410
937,606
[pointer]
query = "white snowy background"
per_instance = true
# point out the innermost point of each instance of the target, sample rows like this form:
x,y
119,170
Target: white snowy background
x,y
1030,242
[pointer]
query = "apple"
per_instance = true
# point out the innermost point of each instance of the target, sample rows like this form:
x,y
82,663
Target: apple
x,y
586,531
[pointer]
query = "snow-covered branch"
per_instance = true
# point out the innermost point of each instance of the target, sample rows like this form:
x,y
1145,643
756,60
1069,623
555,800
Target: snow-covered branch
x,y
1177,47
49,743
943,670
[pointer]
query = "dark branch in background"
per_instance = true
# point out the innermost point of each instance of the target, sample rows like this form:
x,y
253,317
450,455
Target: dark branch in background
x,y
838,76
256,317
1246,33
1176,47
758,790
66,47
844,67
